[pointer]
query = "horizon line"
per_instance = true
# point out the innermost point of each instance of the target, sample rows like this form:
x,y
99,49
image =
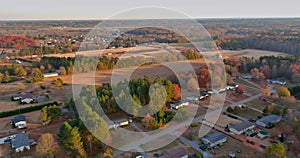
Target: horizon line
x,y
195,18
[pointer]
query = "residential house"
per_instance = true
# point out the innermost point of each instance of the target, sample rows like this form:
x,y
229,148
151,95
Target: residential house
x,y
241,127
52,74
19,121
177,153
267,120
212,140
21,142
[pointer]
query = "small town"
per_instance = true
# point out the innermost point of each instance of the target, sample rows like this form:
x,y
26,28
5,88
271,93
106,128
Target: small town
x,y
141,86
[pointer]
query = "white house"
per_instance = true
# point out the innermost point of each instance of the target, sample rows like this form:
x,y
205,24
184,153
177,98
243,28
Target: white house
x,y
52,74
20,121
20,142
241,127
265,121
179,104
212,140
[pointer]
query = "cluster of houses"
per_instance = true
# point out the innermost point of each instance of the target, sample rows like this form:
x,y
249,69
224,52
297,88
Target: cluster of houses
x,y
218,138
19,142
26,98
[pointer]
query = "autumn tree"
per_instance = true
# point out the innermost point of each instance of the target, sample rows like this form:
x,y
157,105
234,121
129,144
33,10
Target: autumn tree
x,y
192,85
20,71
44,116
283,92
276,150
266,71
58,82
177,92
147,120
63,70
257,74
266,92
1,77
37,75
239,90
47,146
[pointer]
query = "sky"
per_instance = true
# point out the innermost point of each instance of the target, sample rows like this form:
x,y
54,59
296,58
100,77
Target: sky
x,y
100,9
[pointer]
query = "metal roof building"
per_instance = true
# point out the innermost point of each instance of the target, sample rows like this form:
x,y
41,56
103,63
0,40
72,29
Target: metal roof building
x,y
214,139
20,142
241,127
267,120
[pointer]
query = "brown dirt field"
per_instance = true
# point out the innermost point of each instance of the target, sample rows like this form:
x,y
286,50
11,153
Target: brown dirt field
x,y
234,97
249,53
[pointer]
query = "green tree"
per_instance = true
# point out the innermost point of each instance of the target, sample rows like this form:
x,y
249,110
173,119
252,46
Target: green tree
x,y
283,92
47,146
6,78
64,132
54,112
229,109
37,75
74,143
276,150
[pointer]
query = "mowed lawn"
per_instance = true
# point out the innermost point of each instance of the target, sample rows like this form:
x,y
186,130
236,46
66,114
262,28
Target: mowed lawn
x,y
258,104
248,113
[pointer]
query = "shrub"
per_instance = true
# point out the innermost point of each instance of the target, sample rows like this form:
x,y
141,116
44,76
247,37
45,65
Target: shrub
x,y
24,110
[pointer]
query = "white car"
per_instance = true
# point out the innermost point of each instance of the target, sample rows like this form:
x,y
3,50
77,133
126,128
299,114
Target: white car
x,y
27,101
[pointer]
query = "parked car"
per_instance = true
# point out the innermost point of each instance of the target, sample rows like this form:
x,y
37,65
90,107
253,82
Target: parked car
x,y
263,146
27,101
250,142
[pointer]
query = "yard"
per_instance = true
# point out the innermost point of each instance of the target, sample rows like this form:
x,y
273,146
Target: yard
x,y
237,147
247,113
258,104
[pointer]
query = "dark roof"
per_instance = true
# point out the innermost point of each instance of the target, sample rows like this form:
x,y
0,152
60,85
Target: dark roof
x,y
270,119
178,153
214,137
19,118
241,126
20,140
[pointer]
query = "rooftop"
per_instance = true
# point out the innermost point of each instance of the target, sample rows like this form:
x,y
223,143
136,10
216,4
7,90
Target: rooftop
x,y
215,137
270,119
19,118
20,140
178,153
241,126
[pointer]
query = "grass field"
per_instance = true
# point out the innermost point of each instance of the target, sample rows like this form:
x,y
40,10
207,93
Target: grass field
x,y
258,104
248,113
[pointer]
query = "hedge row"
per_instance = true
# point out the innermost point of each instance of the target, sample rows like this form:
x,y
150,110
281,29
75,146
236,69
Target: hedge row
x,y
25,110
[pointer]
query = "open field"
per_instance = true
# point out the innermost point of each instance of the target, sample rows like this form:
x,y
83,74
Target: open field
x,y
250,53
